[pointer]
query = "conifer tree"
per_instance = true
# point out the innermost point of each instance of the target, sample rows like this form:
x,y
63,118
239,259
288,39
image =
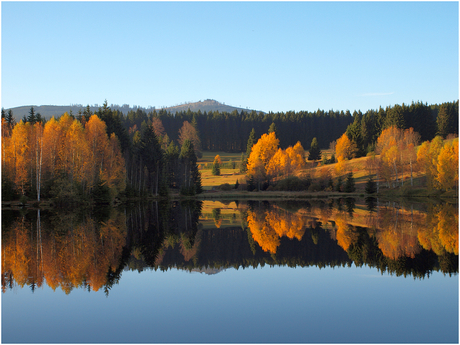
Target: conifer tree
x,y
371,186
9,117
272,128
350,183
31,118
315,152
338,186
251,142
191,182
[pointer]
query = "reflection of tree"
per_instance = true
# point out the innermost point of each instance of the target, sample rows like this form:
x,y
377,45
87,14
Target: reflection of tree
x,y
264,235
346,234
397,237
440,232
267,227
216,215
68,252
448,227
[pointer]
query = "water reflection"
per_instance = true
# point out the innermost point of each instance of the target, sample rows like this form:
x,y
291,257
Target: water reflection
x,y
90,251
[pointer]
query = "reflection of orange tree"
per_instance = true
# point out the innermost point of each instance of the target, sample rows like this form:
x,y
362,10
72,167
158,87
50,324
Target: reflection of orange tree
x,y
267,227
441,231
346,234
16,253
448,227
72,255
397,236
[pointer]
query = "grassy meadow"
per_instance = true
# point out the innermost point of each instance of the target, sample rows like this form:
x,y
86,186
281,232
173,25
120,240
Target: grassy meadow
x,y
227,175
315,170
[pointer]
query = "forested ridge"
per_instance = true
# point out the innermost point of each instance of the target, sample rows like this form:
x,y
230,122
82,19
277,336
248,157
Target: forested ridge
x,y
69,158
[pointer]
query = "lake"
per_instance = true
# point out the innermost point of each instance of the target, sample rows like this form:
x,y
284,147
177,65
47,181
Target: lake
x,y
331,271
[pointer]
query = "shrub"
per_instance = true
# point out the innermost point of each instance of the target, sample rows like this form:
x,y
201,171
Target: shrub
x,y
292,183
225,187
314,187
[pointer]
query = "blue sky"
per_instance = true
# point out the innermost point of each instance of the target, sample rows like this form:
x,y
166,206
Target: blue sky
x,y
270,56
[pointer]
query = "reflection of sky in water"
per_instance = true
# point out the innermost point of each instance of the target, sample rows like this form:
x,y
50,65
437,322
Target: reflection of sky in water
x,y
269,304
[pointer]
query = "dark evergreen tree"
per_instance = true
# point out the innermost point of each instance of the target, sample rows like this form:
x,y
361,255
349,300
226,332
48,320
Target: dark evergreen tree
x,y
10,118
349,184
332,159
191,177
31,118
395,116
338,186
315,152
447,119
243,163
272,128
172,165
38,118
151,156
251,142
371,186
354,133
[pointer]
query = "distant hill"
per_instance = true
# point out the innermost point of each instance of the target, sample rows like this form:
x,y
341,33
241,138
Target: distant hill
x,y
47,111
206,105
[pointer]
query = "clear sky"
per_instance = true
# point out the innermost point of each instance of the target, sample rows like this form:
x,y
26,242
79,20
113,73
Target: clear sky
x,y
270,56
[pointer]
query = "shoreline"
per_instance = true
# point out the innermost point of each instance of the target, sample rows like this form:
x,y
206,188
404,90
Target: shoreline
x,y
387,194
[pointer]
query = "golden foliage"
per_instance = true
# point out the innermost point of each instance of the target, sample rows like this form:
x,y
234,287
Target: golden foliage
x,y
267,227
447,165
83,154
345,148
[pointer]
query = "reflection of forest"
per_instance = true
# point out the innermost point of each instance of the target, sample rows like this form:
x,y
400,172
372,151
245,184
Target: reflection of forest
x,y
82,251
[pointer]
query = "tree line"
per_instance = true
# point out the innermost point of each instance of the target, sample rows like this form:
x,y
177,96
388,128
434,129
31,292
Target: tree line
x,y
223,131
92,158
159,150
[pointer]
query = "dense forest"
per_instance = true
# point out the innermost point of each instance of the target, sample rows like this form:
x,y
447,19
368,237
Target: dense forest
x,y
100,156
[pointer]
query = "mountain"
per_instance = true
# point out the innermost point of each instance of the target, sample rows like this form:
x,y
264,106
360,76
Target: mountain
x,y
47,111
206,105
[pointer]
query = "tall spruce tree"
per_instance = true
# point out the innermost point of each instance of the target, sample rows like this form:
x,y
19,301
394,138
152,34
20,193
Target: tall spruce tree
x,y
152,158
315,152
31,118
9,117
191,178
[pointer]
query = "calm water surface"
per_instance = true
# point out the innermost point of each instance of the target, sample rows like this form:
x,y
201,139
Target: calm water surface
x,y
232,272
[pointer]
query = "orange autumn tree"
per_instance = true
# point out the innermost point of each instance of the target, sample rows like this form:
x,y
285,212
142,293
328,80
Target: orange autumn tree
x,y
20,151
268,161
62,156
397,150
279,164
345,149
447,166
261,154
7,155
427,158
